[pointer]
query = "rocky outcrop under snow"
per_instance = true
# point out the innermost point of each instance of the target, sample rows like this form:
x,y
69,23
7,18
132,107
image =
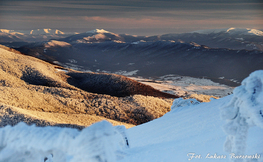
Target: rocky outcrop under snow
x,y
243,112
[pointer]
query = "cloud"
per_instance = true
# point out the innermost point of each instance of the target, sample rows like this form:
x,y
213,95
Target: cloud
x,y
116,8
138,14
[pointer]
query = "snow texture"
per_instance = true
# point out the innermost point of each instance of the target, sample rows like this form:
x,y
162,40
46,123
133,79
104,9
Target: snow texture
x,y
100,142
180,102
243,112
197,130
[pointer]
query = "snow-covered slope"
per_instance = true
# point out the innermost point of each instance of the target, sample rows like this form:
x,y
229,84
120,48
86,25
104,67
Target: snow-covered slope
x,y
94,36
54,43
196,132
227,129
231,31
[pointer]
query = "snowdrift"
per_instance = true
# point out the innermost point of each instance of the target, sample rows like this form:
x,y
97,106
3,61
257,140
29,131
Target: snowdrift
x,y
245,110
99,142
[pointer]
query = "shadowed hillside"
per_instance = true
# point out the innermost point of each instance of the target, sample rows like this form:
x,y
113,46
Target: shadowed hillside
x,y
113,84
27,83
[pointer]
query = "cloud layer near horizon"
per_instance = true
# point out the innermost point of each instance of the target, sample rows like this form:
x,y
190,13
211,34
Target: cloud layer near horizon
x,y
142,17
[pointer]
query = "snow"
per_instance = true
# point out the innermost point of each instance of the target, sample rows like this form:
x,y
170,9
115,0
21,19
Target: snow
x,y
118,41
32,32
244,111
135,42
63,70
198,133
99,142
226,129
126,73
54,43
232,31
138,42
72,61
182,85
180,102
46,31
6,31
97,37
95,31
256,32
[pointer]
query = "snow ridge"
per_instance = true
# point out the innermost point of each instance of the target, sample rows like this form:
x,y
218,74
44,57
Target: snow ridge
x,y
33,32
99,142
231,31
6,31
46,31
96,31
244,111
54,43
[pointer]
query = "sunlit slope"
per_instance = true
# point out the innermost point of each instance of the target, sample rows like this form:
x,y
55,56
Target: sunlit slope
x,y
31,84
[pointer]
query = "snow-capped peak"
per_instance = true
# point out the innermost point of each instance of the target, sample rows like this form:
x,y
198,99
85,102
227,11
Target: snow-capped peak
x,y
255,31
228,30
46,31
247,31
96,31
32,32
231,31
6,31
10,31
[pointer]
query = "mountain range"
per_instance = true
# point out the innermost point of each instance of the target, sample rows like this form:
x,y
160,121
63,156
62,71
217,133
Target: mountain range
x,y
226,55
16,38
230,53
33,32
233,38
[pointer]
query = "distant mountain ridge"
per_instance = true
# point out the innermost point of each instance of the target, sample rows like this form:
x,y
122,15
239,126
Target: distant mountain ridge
x,y
223,53
33,32
233,38
231,31
17,38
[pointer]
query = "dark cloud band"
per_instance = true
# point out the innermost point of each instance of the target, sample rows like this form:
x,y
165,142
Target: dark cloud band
x,y
111,14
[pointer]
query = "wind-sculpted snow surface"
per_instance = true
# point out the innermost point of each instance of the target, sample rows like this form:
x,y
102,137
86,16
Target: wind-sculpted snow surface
x,y
100,142
243,112
180,102
193,132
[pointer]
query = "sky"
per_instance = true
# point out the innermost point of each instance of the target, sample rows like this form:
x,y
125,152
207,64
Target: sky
x,y
138,17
